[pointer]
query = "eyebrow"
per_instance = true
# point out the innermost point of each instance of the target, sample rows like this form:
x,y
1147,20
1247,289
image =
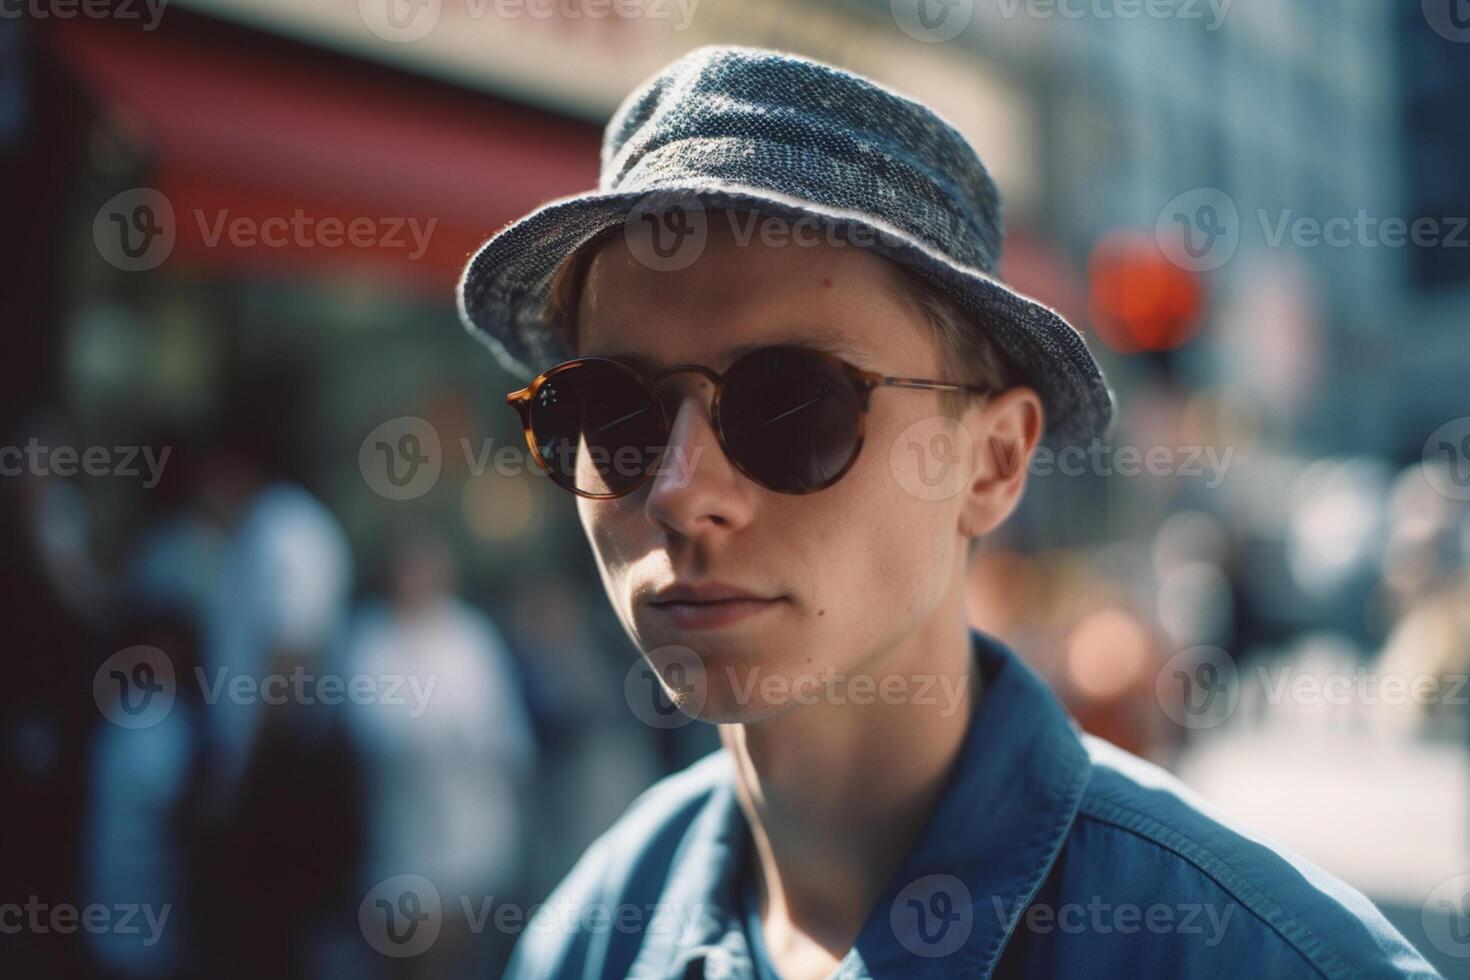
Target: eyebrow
x,y
824,339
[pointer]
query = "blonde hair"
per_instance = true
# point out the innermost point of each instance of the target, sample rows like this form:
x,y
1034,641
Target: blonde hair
x,y
960,339
565,295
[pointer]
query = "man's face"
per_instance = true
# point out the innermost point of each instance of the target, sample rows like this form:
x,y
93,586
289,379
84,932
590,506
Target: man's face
x,y
858,566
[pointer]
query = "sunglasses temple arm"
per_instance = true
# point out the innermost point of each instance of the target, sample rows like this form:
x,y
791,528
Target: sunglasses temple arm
x,y
928,385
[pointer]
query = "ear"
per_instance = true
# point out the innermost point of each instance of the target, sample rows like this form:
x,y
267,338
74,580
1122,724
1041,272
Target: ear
x,y
1006,430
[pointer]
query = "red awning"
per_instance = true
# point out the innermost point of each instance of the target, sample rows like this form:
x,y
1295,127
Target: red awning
x,y
281,159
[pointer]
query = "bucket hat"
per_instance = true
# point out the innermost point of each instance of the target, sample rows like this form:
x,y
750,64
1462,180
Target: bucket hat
x,y
744,128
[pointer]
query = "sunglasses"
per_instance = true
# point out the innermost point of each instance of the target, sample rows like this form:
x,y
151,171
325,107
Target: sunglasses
x,y
788,417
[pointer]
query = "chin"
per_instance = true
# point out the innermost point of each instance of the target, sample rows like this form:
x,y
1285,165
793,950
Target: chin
x,y
751,692
728,683
724,706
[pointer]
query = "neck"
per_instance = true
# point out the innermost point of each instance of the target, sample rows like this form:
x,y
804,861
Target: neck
x,y
835,793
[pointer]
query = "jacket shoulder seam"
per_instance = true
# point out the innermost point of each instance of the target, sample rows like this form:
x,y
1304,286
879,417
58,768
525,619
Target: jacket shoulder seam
x,y
1260,905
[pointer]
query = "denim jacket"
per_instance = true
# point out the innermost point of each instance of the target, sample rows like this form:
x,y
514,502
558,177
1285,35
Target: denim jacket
x,y
1050,853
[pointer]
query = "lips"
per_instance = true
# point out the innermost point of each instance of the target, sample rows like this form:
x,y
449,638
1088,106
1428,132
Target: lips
x,y
709,605
704,592
711,615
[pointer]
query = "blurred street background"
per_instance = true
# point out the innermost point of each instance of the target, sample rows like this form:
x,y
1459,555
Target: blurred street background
x,y
297,647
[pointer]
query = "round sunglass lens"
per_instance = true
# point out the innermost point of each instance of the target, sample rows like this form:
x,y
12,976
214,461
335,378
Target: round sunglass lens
x,y
790,418
596,427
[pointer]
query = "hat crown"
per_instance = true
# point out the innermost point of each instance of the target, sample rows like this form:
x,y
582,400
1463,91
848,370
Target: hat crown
x,y
730,127
778,122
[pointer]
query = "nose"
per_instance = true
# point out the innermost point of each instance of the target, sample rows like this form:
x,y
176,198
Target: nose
x,y
695,488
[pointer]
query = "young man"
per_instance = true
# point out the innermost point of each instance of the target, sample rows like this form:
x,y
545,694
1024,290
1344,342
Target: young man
x,y
789,395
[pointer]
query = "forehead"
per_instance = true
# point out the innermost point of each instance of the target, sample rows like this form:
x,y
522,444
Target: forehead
x,y
743,292
723,351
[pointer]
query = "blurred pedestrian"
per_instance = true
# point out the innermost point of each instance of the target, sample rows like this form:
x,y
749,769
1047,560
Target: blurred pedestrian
x,y
445,743
274,796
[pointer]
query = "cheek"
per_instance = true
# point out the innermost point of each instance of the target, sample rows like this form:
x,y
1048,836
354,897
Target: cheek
x,y
882,549
608,526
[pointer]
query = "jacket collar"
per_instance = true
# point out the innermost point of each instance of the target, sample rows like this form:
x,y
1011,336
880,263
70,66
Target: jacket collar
x,y
951,906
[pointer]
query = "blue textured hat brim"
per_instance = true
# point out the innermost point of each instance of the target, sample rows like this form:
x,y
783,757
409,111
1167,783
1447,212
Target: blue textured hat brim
x,y
503,291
